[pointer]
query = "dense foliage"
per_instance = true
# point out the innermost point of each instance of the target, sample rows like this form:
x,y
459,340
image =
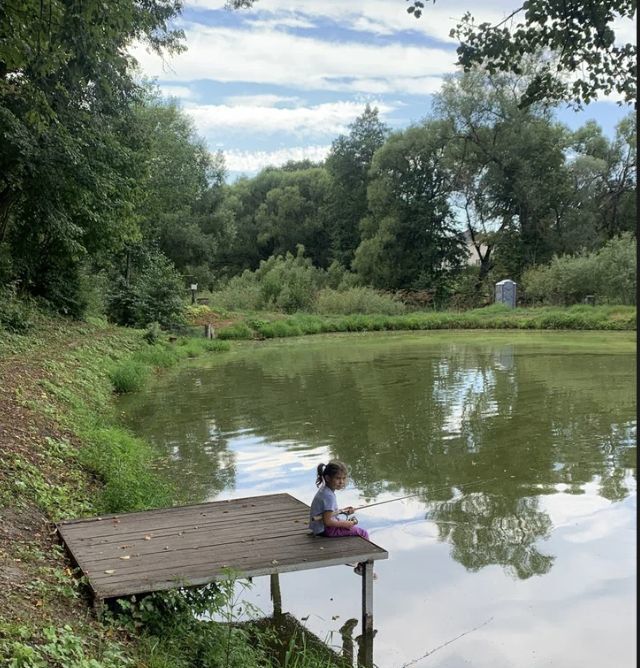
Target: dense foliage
x,y
608,275
110,201
68,164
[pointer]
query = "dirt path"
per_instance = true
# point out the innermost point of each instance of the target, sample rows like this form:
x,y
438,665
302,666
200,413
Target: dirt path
x,y
35,578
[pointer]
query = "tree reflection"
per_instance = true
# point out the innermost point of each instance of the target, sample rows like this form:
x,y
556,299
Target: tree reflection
x,y
486,529
412,417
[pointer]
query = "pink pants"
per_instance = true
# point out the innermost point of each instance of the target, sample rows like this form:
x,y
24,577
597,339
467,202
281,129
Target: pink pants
x,y
336,532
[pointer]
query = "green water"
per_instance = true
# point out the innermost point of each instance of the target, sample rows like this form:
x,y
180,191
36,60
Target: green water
x,y
519,447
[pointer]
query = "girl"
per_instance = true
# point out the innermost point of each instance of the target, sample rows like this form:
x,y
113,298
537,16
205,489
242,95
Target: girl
x,y
324,506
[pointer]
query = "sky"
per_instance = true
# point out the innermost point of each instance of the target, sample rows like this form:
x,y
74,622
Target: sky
x,y
282,80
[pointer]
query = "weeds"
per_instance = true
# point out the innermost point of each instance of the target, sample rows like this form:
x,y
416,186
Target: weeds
x,y
496,316
130,376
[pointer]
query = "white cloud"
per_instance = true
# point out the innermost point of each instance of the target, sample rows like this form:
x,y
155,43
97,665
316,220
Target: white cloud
x,y
250,162
282,22
373,16
331,118
385,17
182,92
277,58
261,100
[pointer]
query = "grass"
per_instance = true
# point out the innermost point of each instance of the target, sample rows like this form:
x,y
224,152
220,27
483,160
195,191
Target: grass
x,y
497,316
69,457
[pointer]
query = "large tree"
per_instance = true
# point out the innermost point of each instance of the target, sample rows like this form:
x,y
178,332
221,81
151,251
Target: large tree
x,y
409,240
274,212
509,177
605,171
67,152
348,163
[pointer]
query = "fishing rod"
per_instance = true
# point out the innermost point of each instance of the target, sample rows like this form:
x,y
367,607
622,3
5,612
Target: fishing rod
x,y
408,496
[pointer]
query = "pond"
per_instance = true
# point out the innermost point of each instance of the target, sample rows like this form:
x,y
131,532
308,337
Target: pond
x,y
518,547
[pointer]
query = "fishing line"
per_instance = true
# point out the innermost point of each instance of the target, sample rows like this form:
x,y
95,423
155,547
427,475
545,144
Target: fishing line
x,y
410,496
317,518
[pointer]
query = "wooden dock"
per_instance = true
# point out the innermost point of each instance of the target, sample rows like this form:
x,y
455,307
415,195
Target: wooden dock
x,y
143,552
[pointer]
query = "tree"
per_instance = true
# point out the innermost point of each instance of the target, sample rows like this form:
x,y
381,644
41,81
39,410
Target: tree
x,y
181,188
68,171
607,171
409,239
509,178
295,212
582,59
348,163
274,212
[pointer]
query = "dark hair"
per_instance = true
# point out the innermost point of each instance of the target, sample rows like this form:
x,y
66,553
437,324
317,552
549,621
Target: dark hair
x,y
330,470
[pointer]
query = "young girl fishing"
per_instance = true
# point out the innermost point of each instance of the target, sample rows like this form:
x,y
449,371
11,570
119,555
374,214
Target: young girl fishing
x,y
324,507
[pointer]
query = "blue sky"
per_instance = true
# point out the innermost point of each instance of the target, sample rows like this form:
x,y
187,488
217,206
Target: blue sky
x,y
282,80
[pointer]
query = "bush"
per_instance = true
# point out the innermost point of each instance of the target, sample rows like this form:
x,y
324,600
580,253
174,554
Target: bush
x,y
15,314
357,300
129,376
153,333
286,283
241,293
237,331
154,293
616,271
609,274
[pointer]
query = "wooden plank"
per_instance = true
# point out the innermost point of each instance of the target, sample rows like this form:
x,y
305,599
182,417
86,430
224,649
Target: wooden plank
x,y
180,516
208,505
194,545
268,551
141,548
110,591
244,527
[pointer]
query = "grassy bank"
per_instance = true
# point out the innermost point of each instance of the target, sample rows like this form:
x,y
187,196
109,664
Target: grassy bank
x,y
497,316
63,455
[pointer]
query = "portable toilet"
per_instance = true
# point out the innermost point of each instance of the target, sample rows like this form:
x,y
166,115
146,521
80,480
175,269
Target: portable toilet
x,y
506,292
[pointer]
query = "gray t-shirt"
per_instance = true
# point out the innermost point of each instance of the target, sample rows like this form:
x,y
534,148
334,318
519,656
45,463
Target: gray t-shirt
x,y
325,499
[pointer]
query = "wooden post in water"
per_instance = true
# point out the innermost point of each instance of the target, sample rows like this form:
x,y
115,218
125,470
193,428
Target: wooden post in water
x,y
365,656
276,597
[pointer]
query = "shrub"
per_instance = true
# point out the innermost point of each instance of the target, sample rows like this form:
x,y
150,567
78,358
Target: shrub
x,y
609,274
15,314
237,331
616,271
215,346
154,293
284,282
357,300
129,376
153,333
241,293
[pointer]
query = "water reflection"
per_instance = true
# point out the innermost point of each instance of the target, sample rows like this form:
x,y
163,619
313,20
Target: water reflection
x,y
478,432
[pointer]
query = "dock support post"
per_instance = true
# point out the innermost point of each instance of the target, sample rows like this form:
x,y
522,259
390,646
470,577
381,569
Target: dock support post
x,y
276,596
365,657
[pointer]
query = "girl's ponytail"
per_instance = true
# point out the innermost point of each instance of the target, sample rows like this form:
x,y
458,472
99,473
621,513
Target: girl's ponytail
x,y
330,470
